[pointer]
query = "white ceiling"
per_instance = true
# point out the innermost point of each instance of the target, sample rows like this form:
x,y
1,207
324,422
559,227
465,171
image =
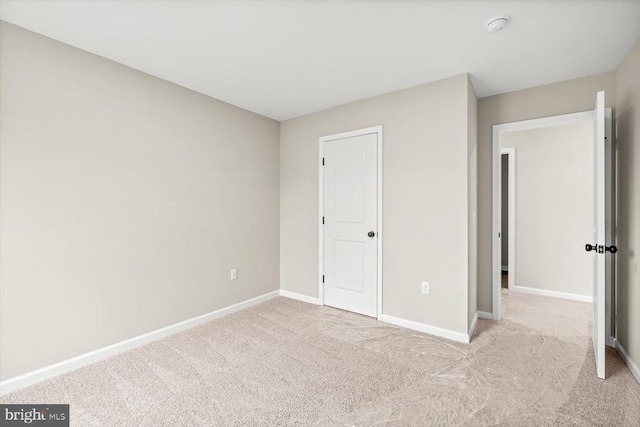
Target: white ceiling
x,y
286,59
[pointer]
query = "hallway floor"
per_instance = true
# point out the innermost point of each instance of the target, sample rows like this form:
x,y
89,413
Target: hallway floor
x,y
289,363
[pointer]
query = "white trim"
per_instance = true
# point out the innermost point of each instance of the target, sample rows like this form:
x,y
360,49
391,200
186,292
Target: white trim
x,y
496,193
299,297
320,222
359,132
553,294
380,234
610,232
496,190
74,363
562,119
422,327
610,340
473,326
635,370
485,315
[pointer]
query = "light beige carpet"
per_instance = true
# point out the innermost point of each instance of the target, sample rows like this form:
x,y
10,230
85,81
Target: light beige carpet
x,y
290,363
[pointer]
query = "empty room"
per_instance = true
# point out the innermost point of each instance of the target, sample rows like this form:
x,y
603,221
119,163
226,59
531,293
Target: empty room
x,y
243,213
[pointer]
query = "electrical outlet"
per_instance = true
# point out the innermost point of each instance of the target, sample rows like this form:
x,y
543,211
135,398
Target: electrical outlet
x,y
426,288
234,274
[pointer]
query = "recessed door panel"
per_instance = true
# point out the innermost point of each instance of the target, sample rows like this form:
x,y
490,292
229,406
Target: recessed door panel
x,y
349,263
349,195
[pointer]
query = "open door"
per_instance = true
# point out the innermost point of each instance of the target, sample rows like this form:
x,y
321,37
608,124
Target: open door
x,y
601,234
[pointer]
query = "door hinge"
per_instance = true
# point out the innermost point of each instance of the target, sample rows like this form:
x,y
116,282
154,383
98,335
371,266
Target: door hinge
x,y
323,220
323,278
323,161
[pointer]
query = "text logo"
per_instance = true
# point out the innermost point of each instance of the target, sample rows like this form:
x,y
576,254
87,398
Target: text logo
x,y
34,415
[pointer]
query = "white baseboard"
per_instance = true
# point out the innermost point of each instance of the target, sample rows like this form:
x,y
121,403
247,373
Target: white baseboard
x,y
74,363
299,297
627,359
485,315
422,327
609,341
554,294
472,327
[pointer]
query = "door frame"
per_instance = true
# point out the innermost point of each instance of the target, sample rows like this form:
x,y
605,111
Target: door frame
x,y
510,152
359,132
611,230
496,264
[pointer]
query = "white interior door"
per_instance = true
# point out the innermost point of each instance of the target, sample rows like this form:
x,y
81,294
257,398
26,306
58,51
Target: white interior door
x,y
350,223
600,237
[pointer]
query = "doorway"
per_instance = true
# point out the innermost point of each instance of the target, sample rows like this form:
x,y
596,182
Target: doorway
x,y
600,239
508,217
552,199
350,221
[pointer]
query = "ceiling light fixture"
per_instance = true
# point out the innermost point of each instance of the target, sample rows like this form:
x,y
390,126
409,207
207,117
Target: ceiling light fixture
x,y
497,23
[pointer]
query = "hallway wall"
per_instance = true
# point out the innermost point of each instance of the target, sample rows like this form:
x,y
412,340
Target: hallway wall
x,y
627,116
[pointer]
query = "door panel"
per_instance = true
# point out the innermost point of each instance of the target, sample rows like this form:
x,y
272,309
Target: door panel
x,y
349,197
349,264
350,214
600,236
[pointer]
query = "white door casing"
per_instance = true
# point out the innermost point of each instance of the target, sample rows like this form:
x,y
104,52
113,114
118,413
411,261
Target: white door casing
x,y
350,224
610,179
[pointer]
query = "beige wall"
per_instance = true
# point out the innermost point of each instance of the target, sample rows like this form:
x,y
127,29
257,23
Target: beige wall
x,y
425,198
125,201
627,117
559,98
554,207
115,192
472,201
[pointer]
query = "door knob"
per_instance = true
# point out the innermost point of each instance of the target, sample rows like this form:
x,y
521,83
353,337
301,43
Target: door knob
x,y
601,249
371,234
